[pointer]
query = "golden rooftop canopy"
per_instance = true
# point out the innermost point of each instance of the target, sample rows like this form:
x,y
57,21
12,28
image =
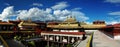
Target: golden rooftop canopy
x,y
27,23
68,23
66,27
70,19
6,23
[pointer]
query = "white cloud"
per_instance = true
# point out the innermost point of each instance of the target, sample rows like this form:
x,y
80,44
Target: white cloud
x,y
48,10
62,14
112,22
43,14
35,14
75,9
88,22
37,4
57,12
80,16
115,18
48,14
7,13
60,5
117,13
113,1
7,4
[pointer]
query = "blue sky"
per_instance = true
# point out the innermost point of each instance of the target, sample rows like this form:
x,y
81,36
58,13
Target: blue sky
x,y
83,10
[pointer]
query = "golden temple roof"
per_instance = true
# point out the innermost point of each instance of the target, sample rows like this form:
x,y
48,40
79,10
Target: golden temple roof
x,y
6,23
70,19
27,24
70,22
69,27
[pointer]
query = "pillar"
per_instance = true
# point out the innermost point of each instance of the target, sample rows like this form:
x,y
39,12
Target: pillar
x,y
45,37
54,38
60,38
68,39
48,41
72,40
57,38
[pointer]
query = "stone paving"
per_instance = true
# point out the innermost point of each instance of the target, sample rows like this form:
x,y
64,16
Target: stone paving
x,y
102,40
84,42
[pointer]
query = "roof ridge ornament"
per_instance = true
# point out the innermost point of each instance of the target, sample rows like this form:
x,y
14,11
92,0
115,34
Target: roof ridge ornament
x,y
29,19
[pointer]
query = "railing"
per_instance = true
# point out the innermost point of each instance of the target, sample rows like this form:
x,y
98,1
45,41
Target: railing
x,y
3,41
89,43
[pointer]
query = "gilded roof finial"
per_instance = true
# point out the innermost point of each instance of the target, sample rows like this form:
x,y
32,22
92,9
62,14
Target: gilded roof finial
x,y
70,16
29,19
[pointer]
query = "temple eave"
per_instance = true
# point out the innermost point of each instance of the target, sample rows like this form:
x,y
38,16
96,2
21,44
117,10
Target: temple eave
x,y
69,33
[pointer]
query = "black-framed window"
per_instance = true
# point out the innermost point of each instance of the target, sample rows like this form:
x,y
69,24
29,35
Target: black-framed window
x,y
11,28
4,28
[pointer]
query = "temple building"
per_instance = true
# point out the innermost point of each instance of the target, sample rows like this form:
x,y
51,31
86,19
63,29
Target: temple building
x,y
6,26
68,23
98,22
113,31
16,22
7,29
67,32
27,26
94,25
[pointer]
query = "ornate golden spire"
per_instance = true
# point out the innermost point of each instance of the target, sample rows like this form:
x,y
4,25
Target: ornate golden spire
x,y
29,19
70,19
